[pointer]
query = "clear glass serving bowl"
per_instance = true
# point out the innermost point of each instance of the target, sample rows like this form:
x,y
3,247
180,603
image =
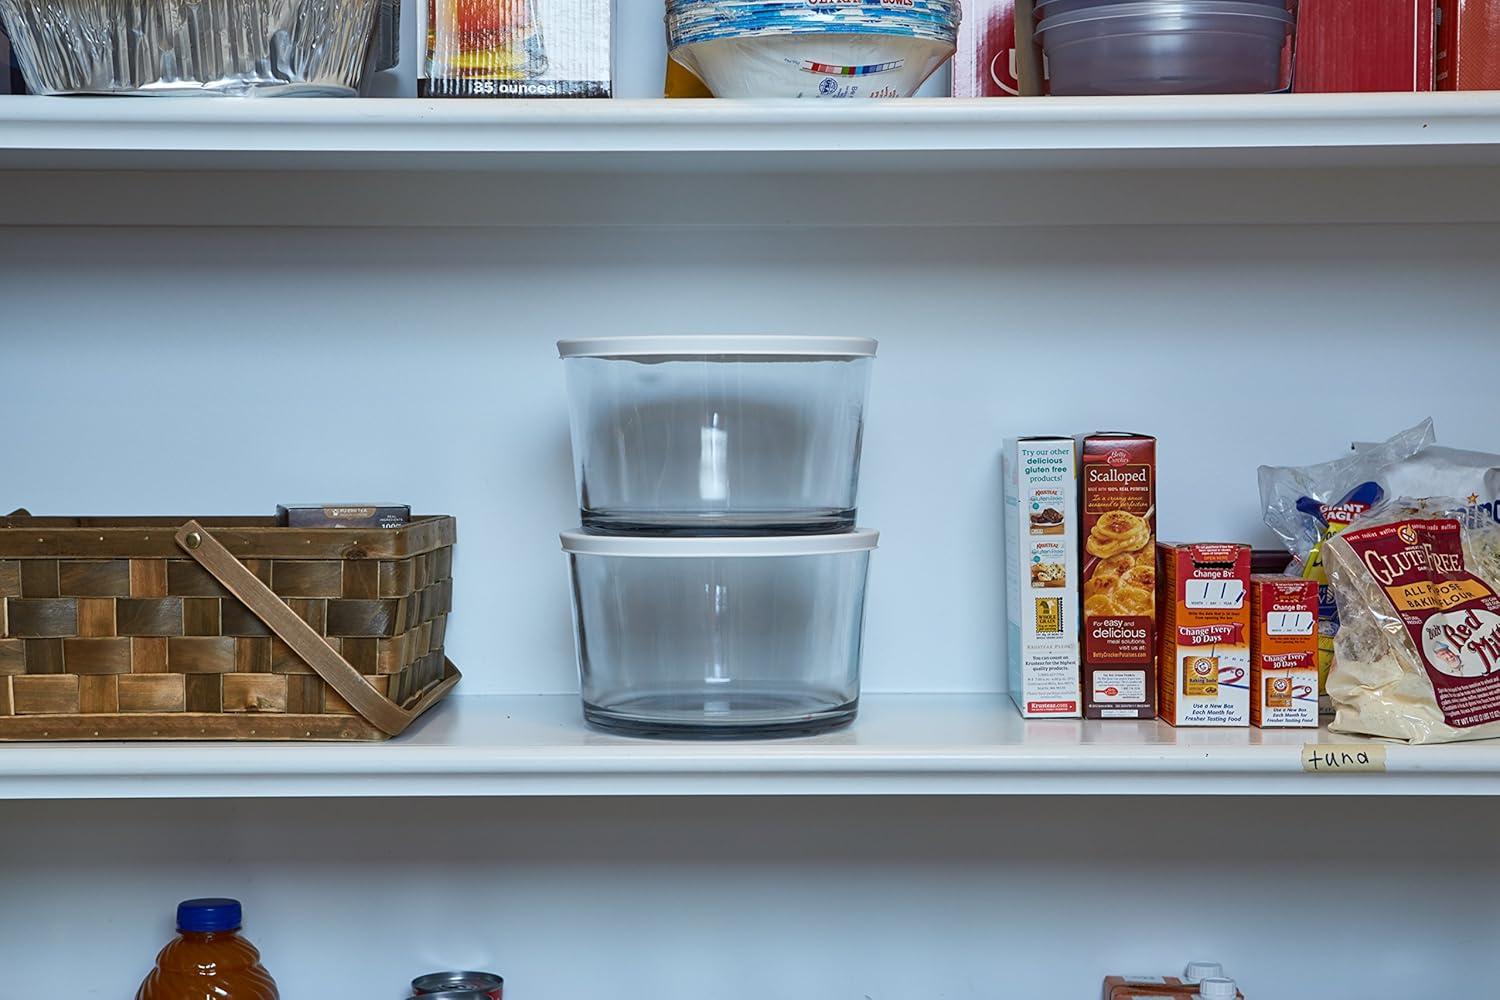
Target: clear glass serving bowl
x,y
719,637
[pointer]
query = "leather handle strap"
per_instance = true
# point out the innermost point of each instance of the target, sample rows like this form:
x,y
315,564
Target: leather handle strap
x,y
233,575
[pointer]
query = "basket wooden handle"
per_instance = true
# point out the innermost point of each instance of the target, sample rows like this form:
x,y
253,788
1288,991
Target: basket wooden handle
x,y
232,574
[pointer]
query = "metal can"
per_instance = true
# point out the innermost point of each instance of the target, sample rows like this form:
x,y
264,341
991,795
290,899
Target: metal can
x,y
485,984
454,995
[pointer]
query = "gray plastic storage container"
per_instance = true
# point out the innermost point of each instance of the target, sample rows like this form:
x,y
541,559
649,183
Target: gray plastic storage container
x,y
1168,48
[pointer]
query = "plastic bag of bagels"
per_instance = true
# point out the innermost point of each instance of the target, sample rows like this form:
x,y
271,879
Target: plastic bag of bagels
x,y
1418,648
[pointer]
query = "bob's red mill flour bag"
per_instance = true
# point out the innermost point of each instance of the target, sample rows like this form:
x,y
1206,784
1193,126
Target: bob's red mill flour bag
x,y
1417,657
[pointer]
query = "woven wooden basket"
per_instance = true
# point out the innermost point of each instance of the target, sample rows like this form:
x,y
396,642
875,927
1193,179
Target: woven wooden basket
x,y
220,628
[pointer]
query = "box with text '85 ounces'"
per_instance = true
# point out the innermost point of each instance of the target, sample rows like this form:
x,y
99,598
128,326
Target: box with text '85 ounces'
x,y
516,48
1041,576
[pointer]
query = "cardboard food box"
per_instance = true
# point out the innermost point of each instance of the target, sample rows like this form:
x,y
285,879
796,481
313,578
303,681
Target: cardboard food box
x,y
1204,663
1132,987
1283,652
1345,46
515,48
997,53
317,515
1468,52
1117,530
1041,576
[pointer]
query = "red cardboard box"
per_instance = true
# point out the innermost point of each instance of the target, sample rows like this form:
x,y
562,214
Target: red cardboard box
x,y
1468,54
1117,526
1283,652
997,54
1365,45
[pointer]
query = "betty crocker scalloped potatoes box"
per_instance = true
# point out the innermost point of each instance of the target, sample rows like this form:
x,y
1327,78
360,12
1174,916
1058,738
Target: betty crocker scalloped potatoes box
x,y
1117,525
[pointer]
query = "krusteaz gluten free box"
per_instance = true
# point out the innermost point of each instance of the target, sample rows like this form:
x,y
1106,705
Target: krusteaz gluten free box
x,y
1041,576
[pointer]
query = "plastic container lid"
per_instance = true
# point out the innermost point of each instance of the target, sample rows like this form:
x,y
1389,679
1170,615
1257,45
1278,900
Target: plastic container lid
x,y
1198,971
1217,989
732,345
858,540
203,915
1157,8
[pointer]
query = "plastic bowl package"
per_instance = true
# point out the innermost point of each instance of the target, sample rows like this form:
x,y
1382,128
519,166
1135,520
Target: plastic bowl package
x,y
791,48
731,637
717,434
815,65
1205,47
292,48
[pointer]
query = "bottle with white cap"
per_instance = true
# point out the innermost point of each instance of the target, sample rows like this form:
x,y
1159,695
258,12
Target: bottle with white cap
x,y
1198,971
1217,988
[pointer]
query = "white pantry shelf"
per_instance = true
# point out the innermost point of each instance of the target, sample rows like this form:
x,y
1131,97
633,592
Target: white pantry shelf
x,y
901,745
1308,129
1224,159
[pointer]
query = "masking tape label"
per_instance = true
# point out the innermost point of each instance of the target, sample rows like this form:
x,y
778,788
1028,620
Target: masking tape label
x,y
1343,758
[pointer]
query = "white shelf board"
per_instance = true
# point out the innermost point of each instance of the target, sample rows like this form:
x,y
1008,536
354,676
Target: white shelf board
x,y
1329,129
900,745
1230,159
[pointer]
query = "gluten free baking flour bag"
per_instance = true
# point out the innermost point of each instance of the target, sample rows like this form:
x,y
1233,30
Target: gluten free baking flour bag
x,y
1283,652
1041,576
1204,665
1117,525
1419,623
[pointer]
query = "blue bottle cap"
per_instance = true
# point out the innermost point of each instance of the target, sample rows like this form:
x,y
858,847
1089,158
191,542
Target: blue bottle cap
x,y
204,915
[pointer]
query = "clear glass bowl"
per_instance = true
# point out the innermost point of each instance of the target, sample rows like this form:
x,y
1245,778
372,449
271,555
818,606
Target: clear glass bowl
x,y
717,435
719,637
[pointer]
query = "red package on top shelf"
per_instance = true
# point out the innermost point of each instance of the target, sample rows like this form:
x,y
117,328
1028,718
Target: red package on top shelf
x,y
1468,55
1365,45
997,54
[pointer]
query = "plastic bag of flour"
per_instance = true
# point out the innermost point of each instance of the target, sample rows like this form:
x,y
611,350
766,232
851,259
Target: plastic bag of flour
x,y
1418,648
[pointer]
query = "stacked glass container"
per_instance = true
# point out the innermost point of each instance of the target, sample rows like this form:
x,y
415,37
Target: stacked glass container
x,y
718,575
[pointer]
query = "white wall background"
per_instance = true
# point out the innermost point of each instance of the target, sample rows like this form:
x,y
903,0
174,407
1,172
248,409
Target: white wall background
x,y
197,371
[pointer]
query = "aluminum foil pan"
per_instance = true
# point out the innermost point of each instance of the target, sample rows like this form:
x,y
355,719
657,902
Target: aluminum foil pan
x,y
292,48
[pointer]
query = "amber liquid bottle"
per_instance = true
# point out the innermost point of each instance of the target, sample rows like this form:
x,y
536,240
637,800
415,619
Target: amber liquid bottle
x,y
208,960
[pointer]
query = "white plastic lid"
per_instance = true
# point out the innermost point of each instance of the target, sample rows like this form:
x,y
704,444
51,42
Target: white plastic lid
x,y
858,540
1199,971
1217,988
733,345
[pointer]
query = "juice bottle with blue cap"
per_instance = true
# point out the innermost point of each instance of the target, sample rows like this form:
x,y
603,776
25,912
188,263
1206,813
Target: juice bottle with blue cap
x,y
208,960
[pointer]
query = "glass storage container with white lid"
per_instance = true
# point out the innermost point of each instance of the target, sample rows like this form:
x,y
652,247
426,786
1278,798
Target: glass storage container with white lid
x,y
717,434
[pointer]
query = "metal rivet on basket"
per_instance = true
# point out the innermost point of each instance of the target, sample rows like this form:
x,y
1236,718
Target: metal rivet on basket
x,y
193,539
